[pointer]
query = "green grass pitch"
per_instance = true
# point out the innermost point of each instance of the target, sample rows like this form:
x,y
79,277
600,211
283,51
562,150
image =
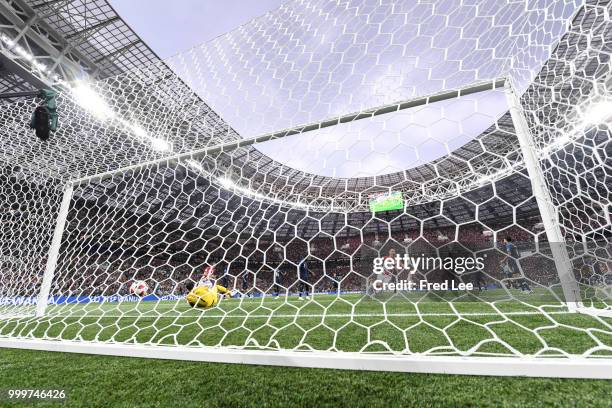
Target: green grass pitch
x,y
97,381
418,323
423,323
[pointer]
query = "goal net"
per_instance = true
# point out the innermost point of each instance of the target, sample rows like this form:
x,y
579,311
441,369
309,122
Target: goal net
x,y
375,185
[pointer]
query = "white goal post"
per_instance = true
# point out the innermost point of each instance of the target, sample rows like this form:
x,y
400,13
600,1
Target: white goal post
x,y
45,287
489,366
550,218
523,366
228,168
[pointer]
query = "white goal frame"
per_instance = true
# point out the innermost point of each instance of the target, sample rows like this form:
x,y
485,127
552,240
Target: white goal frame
x,y
592,368
532,366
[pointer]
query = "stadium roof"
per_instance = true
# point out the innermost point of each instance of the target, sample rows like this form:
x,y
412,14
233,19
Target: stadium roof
x,y
92,32
92,39
309,61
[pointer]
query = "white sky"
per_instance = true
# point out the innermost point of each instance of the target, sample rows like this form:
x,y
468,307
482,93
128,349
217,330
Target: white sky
x,y
173,26
311,60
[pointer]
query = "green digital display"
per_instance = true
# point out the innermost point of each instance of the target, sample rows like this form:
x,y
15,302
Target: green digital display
x,y
387,202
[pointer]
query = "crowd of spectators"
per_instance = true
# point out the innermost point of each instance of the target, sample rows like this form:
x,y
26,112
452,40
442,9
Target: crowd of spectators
x,y
336,263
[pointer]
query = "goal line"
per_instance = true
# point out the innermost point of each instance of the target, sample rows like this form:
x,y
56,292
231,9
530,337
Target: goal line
x,y
593,368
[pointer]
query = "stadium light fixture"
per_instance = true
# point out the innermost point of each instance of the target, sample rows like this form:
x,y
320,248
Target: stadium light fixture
x,y
157,144
89,100
22,52
92,102
599,112
7,40
227,183
139,131
593,114
231,185
195,165
160,145
86,97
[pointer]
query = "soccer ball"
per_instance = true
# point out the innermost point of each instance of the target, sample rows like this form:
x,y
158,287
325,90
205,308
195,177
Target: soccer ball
x,y
139,288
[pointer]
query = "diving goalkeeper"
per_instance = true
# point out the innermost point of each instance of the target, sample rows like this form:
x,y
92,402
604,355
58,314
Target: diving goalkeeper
x,y
207,293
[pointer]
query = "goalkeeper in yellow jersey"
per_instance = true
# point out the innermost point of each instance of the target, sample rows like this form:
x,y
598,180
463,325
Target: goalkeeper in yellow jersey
x,y
207,293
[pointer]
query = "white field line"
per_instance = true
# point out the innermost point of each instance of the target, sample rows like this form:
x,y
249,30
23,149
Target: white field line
x,y
301,316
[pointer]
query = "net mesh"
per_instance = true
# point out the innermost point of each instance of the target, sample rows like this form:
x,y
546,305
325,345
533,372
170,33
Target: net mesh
x,y
167,180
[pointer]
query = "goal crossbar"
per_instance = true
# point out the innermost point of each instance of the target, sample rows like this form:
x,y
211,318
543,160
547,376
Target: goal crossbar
x,y
473,88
